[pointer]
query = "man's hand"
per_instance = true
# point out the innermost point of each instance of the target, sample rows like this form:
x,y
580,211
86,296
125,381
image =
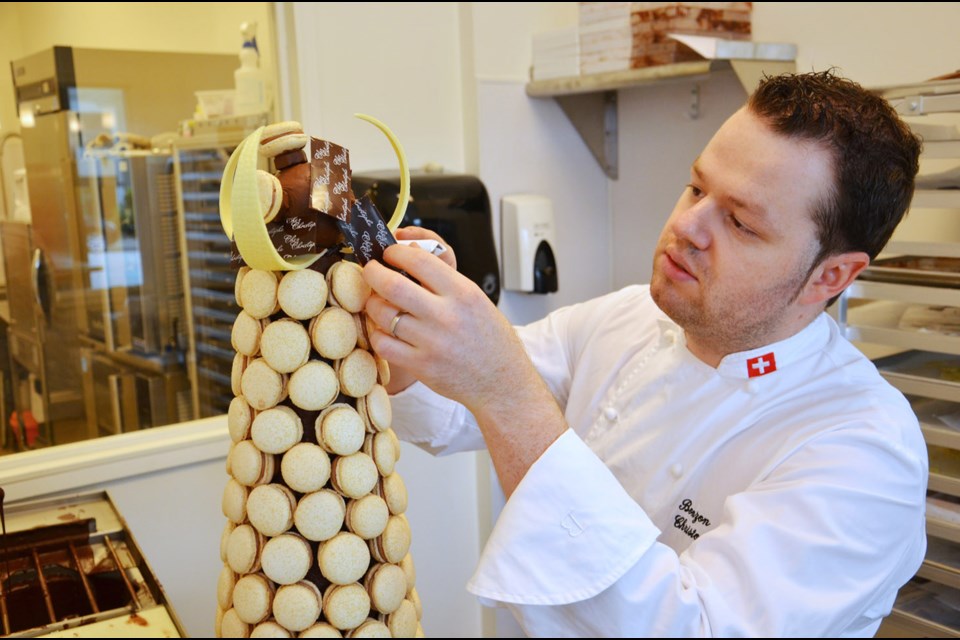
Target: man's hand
x,y
450,336
453,339
400,378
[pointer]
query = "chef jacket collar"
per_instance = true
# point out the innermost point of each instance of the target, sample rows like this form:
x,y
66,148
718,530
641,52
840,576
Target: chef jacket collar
x,y
763,362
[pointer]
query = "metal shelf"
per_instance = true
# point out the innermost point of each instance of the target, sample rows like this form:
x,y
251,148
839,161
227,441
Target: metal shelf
x,y
878,322
941,149
909,293
932,374
936,199
209,276
942,564
900,624
944,483
941,529
940,436
921,248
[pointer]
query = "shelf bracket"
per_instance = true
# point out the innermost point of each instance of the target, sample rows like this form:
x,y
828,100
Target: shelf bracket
x,y
694,111
590,101
594,116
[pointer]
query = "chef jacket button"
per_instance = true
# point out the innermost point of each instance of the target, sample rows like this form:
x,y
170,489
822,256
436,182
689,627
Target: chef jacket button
x,y
676,470
610,413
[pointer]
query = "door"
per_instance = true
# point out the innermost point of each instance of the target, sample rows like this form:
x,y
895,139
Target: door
x,y
22,280
57,261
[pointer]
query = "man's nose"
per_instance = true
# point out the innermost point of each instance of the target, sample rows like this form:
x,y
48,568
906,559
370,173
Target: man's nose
x,y
694,223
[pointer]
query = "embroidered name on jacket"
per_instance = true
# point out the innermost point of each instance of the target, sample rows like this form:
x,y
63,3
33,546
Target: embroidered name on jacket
x,y
689,518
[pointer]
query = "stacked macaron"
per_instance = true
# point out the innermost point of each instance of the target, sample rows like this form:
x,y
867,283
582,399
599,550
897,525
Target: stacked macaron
x,y
316,542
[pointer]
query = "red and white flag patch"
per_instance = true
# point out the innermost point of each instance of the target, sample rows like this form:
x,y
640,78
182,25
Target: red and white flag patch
x,y
761,365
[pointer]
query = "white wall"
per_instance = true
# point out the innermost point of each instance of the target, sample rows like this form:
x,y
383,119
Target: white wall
x,y
658,143
503,34
876,43
399,62
528,145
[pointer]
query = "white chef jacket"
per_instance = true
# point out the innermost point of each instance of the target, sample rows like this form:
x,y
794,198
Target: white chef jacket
x,y
687,500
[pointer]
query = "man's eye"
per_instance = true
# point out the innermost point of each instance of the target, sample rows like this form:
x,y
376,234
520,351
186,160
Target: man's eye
x,y
740,226
695,191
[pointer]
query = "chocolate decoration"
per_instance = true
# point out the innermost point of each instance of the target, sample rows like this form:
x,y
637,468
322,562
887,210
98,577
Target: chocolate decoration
x,y
289,158
326,261
299,227
330,167
366,232
303,226
307,418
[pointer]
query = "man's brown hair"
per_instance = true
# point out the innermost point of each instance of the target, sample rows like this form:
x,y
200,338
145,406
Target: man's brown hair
x,y
876,156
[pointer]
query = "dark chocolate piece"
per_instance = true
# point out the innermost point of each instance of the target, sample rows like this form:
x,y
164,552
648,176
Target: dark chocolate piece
x,y
289,158
366,232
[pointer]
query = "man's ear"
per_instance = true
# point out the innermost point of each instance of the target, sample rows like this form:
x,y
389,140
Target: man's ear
x,y
832,276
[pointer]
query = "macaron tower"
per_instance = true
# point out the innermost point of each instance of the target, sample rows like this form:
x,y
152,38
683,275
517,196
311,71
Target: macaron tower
x,y
316,543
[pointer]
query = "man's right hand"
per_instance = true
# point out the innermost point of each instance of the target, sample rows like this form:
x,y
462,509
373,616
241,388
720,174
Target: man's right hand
x,y
401,378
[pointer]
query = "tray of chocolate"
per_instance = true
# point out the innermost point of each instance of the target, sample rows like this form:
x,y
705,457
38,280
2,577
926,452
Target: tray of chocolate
x,y
316,541
69,566
916,270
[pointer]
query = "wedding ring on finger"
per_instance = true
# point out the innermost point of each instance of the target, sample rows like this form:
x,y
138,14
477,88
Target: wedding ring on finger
x,y
395,322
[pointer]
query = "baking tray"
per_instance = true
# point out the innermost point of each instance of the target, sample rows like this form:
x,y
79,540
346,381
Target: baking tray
x,y
917,270
148,615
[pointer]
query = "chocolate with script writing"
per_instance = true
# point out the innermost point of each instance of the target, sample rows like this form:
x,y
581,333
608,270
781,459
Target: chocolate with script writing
x,y
366,232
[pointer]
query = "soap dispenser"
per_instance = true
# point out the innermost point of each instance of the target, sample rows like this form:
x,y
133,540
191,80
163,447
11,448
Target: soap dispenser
x,y
248,79
527,240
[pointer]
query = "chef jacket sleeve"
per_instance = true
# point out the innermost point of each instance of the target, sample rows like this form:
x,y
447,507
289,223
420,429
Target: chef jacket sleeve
x,y
440,426
811,549
434,423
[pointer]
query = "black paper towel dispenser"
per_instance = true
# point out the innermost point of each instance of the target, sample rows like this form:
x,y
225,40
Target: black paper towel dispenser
x,y
455,206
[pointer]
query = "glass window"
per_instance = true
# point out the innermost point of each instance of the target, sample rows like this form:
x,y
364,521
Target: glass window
x,y
118,290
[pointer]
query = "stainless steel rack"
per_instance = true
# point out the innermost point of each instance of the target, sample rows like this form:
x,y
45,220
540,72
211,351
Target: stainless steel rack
x,y
904,312
208,275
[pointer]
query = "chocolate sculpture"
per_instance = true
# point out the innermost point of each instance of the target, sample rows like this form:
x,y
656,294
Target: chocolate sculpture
x,y
316,543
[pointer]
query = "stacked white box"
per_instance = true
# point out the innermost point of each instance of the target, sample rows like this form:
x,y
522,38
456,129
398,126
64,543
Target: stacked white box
x,y
556,54
628,35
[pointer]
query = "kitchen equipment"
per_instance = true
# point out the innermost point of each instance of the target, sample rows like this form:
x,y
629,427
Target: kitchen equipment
x,y
527,239
455,206
98,270
206,261
70,566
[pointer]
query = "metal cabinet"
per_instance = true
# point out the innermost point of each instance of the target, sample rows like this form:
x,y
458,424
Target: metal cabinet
x,y
205,254
904,312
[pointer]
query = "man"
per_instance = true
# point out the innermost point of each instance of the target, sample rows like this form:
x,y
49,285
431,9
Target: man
x,y
706,455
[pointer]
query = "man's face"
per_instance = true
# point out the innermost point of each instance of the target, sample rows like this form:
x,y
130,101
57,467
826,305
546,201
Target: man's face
x,y
739,245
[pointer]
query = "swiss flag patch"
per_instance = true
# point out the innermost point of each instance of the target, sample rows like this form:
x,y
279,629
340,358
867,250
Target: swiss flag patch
x,y
761,365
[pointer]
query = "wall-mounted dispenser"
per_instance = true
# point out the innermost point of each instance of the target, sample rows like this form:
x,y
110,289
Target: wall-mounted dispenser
x,y
527,240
